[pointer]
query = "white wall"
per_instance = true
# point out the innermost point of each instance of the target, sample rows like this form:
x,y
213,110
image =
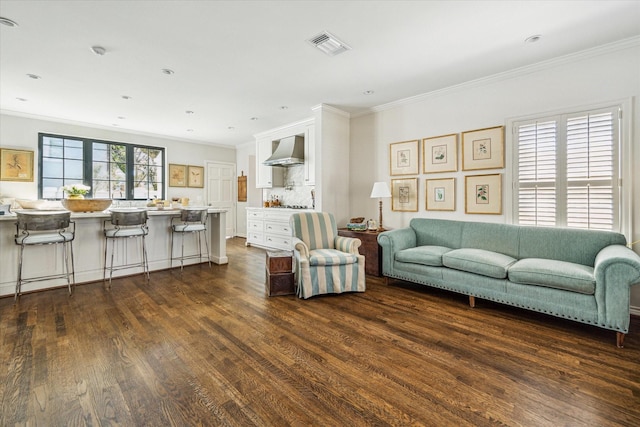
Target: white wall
x,y
332,134
246,161
22,133
589,78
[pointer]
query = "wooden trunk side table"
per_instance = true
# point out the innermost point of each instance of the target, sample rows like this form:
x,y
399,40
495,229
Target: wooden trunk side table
x,y
279,274
370,249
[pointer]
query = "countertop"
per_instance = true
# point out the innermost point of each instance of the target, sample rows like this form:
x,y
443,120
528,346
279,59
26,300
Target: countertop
x,y
104,214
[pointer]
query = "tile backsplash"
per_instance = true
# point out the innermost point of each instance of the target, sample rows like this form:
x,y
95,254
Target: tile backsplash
x,y
294,191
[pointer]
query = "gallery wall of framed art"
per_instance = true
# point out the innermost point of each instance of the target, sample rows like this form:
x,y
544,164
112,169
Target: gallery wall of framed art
x,y
434,160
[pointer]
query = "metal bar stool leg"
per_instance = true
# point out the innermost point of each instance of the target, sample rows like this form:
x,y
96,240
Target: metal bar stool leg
x,y
145,258
73,268
182,253
19,281
206,242
65,267
171,249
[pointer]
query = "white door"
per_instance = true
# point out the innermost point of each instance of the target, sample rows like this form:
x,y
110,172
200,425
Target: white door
x,y
221,191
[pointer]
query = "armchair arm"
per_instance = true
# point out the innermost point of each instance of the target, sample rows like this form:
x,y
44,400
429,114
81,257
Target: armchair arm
x,y
616,269
348,244
301,247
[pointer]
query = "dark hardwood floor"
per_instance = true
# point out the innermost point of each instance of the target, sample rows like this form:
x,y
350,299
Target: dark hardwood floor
x,y
209,348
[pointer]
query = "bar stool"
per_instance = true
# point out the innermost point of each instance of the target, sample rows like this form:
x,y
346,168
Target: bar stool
x,y
125,224
191,221
45,228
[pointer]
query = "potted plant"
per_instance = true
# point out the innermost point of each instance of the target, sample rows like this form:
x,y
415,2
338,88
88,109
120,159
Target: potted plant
x,y
76,191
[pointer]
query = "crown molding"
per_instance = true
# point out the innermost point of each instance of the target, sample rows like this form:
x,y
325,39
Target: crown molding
x,y
113,129
330,109
284,127
629,43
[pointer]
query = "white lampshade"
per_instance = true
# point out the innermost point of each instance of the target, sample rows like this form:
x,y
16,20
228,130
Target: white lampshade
x,y
380,189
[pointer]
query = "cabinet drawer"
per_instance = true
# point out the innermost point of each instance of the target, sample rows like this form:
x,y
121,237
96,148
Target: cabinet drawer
x,y
253,237
255,226
277,215
276,241
254,214
277,228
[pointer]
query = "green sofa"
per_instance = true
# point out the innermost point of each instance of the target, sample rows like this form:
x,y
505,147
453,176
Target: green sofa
x,y
582,275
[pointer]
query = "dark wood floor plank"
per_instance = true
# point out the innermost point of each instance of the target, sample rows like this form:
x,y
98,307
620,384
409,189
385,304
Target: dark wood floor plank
x,y
208,347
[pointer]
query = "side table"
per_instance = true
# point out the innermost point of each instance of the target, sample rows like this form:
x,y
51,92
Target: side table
x,y
370,249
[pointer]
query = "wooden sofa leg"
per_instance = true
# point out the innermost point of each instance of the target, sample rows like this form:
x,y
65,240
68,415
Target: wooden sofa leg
x,y
620,339
472,301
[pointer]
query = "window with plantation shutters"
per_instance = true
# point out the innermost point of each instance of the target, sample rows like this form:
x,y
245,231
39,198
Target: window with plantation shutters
x,y
567,170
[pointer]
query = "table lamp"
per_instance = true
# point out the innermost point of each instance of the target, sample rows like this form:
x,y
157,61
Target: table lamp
x,y
380,190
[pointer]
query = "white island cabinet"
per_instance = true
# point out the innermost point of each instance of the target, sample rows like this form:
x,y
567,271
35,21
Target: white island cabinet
x,y
269,227
88,249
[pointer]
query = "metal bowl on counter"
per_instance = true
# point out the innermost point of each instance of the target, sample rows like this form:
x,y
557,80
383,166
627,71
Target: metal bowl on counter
x,y
86,205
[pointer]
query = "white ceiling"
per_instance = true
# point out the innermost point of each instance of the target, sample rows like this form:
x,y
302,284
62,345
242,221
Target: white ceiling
x,y
238,60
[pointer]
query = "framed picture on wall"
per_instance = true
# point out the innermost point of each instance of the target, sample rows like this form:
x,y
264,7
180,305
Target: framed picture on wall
x,y
483,194
17,165
195,176
403,158
441,194
404,195
177,175
440,154
483,149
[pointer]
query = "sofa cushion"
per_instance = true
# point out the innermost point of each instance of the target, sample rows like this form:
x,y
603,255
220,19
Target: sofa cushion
x,y
331,257
478,261
553,274
424,255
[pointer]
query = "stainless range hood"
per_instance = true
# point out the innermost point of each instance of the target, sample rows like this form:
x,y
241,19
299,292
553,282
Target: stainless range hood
x,y
289,152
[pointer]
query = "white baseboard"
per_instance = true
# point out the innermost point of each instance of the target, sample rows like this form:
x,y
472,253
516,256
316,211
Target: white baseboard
x,y
635,311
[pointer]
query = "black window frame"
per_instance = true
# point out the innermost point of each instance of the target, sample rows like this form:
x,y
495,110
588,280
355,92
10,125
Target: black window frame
x,y
87,144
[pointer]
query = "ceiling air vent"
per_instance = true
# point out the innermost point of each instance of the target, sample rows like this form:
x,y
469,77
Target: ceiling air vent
x,y
329,44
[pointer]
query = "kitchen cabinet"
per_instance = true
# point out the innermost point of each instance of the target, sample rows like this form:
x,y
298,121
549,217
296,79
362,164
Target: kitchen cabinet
x,y
269,227
310,155
267,176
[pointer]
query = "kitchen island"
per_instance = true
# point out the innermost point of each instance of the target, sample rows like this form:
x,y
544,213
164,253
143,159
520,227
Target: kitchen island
x,y
88,249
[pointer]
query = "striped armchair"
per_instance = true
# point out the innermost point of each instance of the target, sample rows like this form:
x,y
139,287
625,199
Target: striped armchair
x,y
325,262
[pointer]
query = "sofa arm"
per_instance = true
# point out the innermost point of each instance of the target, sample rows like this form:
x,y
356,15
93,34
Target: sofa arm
x,y
616,269
348,244
393,241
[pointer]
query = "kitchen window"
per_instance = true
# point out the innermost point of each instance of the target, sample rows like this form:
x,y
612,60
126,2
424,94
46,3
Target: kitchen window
x,y
567,170
113,170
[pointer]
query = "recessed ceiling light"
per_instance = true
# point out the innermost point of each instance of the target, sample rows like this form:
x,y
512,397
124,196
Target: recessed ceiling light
x,y
231,128
189,130
168,71
22,99
284,107
98,50
254,118
533,39
121,117
8,22
34,76
114,124
368,92
127,97
189,112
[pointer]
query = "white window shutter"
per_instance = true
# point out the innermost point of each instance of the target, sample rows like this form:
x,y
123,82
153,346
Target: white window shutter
x,y
567,170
